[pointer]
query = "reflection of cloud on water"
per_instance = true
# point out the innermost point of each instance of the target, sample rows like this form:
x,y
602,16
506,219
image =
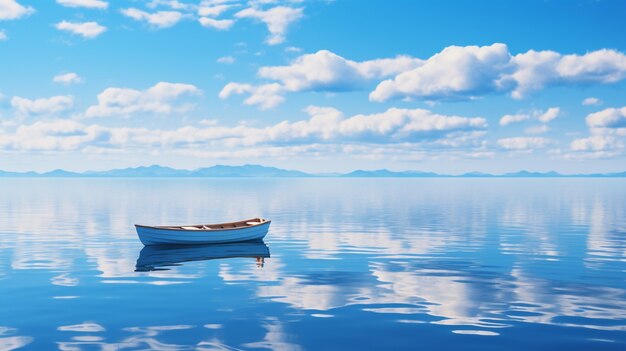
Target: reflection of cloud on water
x,y
275,338
9,341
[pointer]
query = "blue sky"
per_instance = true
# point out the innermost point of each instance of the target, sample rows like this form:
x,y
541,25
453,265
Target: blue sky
x,y
446,86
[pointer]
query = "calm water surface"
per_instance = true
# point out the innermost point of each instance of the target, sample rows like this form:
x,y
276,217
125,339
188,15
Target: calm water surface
x,y
370,264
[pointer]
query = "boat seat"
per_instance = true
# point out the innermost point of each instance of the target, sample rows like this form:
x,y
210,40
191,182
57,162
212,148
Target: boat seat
x,y
253,223
191,228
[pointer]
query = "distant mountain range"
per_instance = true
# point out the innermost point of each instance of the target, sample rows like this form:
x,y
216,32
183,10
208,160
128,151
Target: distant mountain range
x,y
220,171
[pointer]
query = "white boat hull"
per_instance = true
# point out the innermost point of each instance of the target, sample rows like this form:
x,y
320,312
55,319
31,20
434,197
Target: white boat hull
x,y
163,235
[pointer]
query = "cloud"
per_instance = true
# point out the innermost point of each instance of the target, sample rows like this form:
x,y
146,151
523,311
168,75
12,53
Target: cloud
x,y
42,106
159,98
217,24
266,96
3,35
591,101
549,115
56,135
85,29
93,4
402,131
228,60
510,119
327,71
597,143
206,10
11,9
613,118
524,143
537,69
455,73
160,19
608,131
276,18
67,78
471,71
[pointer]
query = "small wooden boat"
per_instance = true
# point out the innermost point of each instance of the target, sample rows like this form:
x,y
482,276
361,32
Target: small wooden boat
x,y
246,230
160,257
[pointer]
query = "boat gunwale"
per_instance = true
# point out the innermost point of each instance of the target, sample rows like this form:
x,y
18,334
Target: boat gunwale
x,y
179,227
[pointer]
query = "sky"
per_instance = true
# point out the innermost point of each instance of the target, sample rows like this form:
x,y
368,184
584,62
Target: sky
x,y
318,86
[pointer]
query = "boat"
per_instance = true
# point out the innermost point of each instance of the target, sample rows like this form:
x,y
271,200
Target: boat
x,y
159,257
246,230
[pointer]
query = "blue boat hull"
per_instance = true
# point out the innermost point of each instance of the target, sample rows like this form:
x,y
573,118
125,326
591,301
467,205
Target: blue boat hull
x,y
163,236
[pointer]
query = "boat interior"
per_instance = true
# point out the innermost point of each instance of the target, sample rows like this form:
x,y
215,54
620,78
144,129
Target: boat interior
x,y
220,226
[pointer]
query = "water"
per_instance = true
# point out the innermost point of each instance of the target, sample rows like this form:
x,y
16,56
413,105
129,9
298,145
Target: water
x,y
370,264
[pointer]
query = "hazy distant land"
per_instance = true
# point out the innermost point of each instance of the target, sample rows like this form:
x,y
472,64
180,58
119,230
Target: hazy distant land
x,y
221,171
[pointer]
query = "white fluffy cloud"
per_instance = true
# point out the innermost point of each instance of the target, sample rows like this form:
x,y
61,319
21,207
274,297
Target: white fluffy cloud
x,y
266,96
608,135
160,19
325,70
42,106
93,4
11,9
276,18
215,23
85,29
549,115
608,118
325,129
591,101
212,10
67,78
510,119
472,71
456,72
160,98
596,143
524,143
3,35
543,116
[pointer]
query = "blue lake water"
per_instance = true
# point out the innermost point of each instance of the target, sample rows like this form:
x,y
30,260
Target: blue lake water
x,y
370,264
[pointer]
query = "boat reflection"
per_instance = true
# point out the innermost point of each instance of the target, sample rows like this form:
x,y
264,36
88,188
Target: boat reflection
x,y
154,258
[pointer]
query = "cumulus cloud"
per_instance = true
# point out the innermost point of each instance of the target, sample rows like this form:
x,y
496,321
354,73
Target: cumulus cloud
x,y
85,29
160,98
549,115
524,143
212,10
591,101
11,9
597,143
276,18
542,116
42,106
56,135
67,78
608,131
325,129
159,19
266,96
614,118
328,71
93,4
454,73
510,119
472,71
215,23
